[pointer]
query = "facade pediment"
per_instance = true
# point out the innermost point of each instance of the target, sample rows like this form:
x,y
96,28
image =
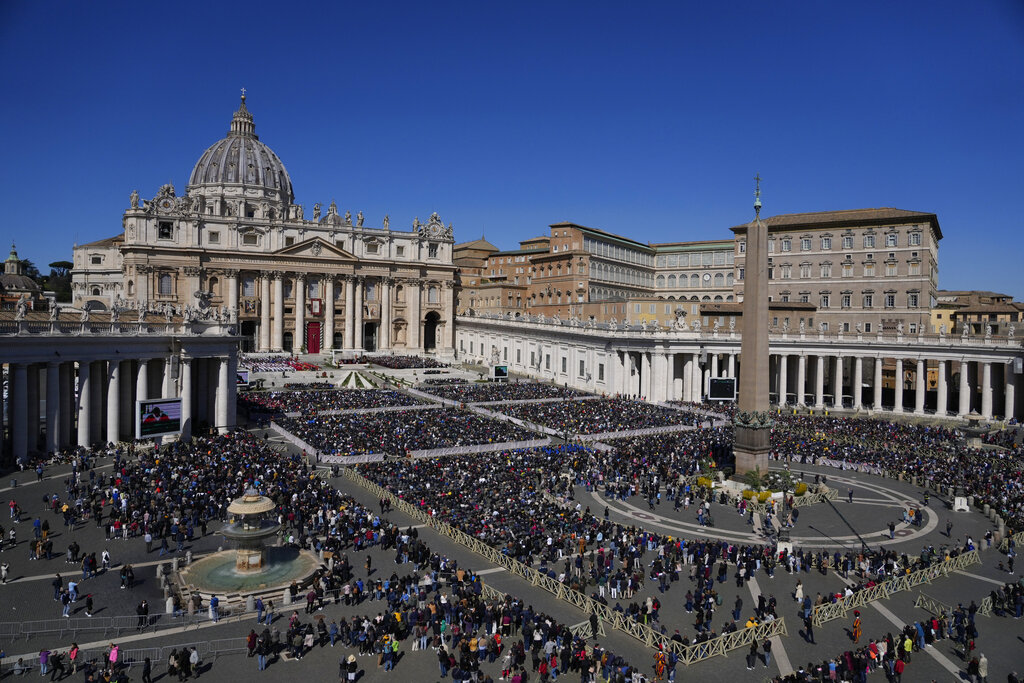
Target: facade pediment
x,y
316,248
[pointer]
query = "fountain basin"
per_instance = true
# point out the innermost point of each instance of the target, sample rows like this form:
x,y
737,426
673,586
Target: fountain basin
x,y
218,573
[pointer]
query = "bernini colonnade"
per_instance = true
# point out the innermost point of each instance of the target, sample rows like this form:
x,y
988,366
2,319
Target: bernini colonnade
x,y
83,378
946,375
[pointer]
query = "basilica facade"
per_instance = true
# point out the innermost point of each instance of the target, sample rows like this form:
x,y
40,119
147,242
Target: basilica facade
x,y
236,246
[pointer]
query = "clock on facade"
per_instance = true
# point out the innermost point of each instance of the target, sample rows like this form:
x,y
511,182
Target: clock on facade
x,y
434,230
165,204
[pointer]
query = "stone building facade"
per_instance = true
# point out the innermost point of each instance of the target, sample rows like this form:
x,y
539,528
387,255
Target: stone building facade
x,y
237,244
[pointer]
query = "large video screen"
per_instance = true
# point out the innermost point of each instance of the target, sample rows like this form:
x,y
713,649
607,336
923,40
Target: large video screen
x,y
157,417
500,372
242,378
722,389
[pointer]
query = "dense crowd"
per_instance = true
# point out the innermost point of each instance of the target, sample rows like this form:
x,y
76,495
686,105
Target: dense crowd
x,y
476,392
600,415
273,363
398,431
404,362
311,402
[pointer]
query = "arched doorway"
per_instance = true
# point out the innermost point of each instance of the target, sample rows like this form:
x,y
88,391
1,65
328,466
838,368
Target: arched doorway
x,y
370,336
430,331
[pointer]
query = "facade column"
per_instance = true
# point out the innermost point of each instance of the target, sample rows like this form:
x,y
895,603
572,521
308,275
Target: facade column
x,y
878,385
113,401
801,379
18,410
33,408
942,393
1010,402
357,325
919,387
277,341
142,282
167,387
350,312
986,390
264,312
222,396
448,336
783,380
53,412
299,292
329,312
84,404
965,388
185,369
414,292
231,282
837,382
732,365
384,335
898,385
819,384
858,381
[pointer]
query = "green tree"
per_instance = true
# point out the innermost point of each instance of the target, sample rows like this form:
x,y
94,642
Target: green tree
x,y
61,269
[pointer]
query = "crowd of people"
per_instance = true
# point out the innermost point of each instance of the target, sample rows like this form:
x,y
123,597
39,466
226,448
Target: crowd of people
x,y
600,415
312,402
403,362
398,431
475,392
258,363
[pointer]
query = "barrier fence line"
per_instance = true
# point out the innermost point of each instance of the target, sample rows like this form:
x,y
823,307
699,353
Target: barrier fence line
x,y
380,409
288,436
938,608
629,433
480,448
688,654
837,610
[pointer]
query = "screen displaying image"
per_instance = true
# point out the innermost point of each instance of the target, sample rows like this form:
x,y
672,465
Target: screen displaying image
x,y
722,389
243,378
157,417
500,372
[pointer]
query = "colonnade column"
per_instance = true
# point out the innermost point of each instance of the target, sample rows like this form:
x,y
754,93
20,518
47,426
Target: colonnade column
x,y
819,383
67,405
357,324
919,387
84,404
714,365
661,377
698,379
646,385
113,401
384,337
265,311
783,379
732,365
414,291
801,379
142,380
277,342
329,312
965,388
53,412
898,386
837,382
222,396
186,398
18,404
986,390
232,284
858,382
33,407
877,387
232,389
350,312
1010,403
299,287
687,377
942,393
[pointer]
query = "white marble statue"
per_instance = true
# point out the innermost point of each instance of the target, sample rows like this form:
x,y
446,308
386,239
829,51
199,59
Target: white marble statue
x,y
387,221
21,310
899,328
134,199
359,219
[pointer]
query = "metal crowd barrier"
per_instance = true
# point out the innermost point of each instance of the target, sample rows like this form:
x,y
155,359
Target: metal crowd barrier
x,y
836,610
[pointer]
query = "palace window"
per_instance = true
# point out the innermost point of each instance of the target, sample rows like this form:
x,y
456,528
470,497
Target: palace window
x,y
165,285
891,239
805,244
846,300
432,295
214,237
847,270
890,301
372,248
743,247
890,270
97,260
869,300
869,241
250,239
432,251
289,241
869,270
248,286
826,243
914,239
914,269
825,299
848,242
787,244
165,230
912,300
826,270
805,270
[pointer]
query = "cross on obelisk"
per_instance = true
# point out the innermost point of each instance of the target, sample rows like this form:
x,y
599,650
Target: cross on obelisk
x,y
752,429
243,92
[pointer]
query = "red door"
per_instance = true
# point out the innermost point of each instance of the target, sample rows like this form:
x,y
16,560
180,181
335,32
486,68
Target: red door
x,y
313,338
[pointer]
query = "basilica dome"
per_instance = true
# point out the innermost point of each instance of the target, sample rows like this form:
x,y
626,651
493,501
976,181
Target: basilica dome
x,y
241,160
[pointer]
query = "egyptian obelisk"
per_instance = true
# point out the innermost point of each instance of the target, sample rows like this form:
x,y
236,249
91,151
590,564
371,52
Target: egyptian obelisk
x,y
752,423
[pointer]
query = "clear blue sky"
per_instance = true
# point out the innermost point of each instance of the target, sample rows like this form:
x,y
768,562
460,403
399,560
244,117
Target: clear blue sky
x,y
644,119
